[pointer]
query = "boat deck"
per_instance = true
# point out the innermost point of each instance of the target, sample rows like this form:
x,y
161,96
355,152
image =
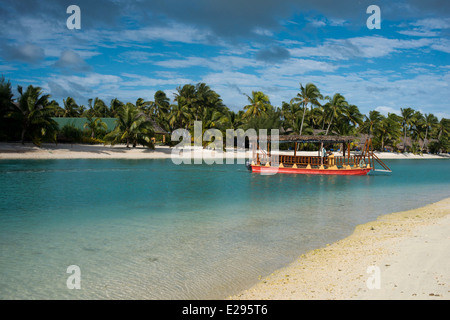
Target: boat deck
x,y
348,171
347,164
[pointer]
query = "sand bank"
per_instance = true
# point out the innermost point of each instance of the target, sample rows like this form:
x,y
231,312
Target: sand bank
x,y
82,151
409,251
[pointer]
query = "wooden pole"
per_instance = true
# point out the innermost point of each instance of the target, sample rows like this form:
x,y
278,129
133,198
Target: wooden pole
x,y
348,152
295,150
257,154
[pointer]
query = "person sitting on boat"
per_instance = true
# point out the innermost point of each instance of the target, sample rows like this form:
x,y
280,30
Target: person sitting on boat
x,y
324,152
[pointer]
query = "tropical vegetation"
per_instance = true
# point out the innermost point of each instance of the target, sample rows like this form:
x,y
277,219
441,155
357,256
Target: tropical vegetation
x,y
30,117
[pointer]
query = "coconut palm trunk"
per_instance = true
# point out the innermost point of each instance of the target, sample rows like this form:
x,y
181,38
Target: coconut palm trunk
x,y
404,139
303,116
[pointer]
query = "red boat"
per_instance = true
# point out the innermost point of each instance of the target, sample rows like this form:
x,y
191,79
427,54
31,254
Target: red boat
x,y
360,164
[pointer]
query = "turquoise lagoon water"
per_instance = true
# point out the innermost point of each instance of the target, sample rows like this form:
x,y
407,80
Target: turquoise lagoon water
x,y
149,229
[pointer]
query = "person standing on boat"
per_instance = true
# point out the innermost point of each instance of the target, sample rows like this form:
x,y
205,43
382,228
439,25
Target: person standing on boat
x,y
324,154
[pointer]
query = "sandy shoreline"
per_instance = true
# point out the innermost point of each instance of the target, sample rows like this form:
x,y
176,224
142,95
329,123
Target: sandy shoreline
x,y
82,151
410,250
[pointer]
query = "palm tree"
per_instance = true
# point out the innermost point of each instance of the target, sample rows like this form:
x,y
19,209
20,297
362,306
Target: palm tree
x,y
407,117
98,109
114,107
71,108
308,94
142,104
236,119
335,107
179,116
430,122
271,119
316,117
95,125
371,121
6,105
161,104
348,120
6,95
442,128
417,129
207,98
387,130
159,109
258,105
33,111
289,113
186,98
353,116
215,119
133,126
441,133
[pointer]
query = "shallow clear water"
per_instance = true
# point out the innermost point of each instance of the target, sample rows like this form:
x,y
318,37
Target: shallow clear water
x,y
149,229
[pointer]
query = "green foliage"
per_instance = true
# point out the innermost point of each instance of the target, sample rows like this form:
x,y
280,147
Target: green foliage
x,y
258,106
271,119
71,108
308,94
386,131
33,113
96,127
6,105
70,133
91,140
334,109
133,127
28,118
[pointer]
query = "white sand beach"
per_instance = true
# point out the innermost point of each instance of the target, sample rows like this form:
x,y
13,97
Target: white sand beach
x,y
409,251
84,151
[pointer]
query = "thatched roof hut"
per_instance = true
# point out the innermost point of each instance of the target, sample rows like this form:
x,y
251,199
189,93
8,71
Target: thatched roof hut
x,y
311,139
157,128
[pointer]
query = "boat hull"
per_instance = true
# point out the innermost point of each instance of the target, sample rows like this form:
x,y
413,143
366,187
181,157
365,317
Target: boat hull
x,y
340,172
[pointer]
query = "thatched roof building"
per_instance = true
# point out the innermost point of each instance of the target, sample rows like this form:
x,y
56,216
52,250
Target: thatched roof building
x,y
311,139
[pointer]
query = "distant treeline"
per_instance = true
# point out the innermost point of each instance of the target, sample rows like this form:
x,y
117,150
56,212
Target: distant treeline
x,y
28,117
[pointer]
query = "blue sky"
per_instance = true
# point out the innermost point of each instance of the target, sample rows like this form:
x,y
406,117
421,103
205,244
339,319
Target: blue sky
x,y
130,49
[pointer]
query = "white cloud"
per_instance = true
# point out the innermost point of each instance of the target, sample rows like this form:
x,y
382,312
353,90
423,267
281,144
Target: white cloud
x,y
433,23
416,32
71,61
442,45
174,32
27,52
7,68
221,62
386,110
293,67
363,47
430,27
323,22
317,23
138,57
263,32
136,80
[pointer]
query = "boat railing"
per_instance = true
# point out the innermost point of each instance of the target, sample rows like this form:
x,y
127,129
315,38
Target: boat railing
x,y
340,161
313,161
365,159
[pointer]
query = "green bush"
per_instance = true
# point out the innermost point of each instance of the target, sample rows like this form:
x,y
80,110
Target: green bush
x,y
69,133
